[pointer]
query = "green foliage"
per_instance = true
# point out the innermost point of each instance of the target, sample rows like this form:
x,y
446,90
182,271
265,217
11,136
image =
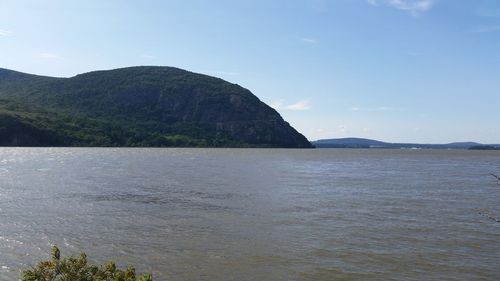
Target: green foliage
x,y
78,269
137,106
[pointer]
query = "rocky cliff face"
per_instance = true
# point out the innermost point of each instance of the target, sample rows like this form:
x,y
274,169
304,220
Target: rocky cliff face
x,y
144,106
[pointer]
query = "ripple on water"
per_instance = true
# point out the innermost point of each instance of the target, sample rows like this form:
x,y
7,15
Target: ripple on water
x,y
217,214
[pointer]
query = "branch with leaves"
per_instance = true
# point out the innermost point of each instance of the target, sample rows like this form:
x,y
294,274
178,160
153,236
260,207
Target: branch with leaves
x,y
78,269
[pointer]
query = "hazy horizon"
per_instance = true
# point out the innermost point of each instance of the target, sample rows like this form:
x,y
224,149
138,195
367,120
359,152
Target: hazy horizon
x,y
422,71
388,141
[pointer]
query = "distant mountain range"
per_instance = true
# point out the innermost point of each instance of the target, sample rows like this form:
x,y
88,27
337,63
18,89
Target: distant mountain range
x,y
137,106
368,143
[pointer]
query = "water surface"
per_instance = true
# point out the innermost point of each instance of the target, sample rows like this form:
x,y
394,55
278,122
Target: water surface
x,y
250,214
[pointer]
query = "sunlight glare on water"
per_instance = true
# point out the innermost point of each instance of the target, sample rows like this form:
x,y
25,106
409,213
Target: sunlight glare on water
x,y
255,214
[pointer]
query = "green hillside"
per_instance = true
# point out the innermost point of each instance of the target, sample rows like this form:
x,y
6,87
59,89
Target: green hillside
x,y
137,106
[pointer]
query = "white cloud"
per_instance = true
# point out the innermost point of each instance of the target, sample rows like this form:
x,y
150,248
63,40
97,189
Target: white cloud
x,y
300,105
413,6
485,29
309,40
49,56
4,32
276,105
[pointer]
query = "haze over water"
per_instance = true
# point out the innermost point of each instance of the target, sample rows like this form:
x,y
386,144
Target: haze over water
x,y
255,214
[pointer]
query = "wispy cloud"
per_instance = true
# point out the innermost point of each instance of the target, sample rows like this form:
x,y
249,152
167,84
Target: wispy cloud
x,y
300,105
49,56
485,29
276,104
414,7
4,32
309,40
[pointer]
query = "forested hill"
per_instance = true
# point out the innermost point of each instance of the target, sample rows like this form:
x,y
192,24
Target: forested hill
x,y
368,143
137,106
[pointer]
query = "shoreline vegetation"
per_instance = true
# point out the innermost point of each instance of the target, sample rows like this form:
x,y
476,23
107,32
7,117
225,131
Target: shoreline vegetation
x,y
369,143
144,106
78,269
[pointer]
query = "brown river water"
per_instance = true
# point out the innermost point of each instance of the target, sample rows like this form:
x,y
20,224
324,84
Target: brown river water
x,y
255,214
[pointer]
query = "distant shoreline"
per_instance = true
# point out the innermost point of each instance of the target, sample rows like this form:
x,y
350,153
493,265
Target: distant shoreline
x,y
375,144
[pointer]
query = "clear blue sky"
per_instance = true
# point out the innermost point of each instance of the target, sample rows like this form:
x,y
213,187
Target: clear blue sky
x,y
394,70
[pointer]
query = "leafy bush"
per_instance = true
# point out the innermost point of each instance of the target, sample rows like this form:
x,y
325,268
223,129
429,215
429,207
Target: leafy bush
x,y
77,269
